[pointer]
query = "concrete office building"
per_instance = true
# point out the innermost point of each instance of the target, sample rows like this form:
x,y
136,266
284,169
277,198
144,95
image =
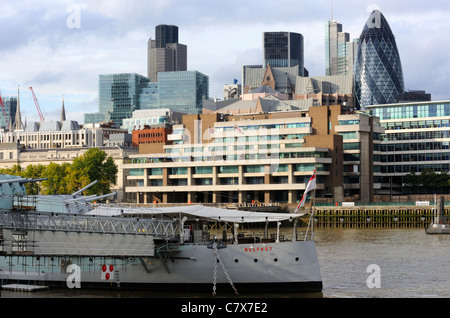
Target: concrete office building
x,y
340,51
267,157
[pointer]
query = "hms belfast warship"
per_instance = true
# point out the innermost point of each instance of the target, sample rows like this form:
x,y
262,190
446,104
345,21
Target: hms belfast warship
x,y
65,241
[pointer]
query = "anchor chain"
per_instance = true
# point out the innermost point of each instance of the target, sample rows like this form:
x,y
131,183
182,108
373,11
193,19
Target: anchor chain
x,y
217,258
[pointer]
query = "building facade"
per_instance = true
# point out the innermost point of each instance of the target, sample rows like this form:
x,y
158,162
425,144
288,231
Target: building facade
x,y
150,117
12,154
378,74
283,49
165,54
8,112
60,135
182,91
258,157
417,137
118,96
339,50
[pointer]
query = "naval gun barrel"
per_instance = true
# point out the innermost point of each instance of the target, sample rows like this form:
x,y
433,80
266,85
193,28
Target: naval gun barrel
x,y
85,188
80,198
34,180
100,196
21,180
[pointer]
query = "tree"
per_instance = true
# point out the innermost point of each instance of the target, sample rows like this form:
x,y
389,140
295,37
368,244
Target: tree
x,y
56,183
93,165
33,172
70,177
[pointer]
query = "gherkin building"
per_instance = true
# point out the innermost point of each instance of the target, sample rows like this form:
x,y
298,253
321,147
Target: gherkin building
x,y
378,75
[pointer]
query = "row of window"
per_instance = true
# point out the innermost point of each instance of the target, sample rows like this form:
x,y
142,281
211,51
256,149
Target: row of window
x,y
412,111
412,157
415,146
417,135
227,181
267,126
416,168
417,124
229,169
258,138
251,156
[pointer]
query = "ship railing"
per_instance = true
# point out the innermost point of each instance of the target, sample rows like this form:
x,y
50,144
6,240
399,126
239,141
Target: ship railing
x,y
20,221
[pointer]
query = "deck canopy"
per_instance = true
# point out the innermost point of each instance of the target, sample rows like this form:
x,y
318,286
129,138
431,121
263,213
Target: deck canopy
x,y
198,211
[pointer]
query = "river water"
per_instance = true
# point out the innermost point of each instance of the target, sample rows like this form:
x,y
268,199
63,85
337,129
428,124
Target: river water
x,y
411,264
396,263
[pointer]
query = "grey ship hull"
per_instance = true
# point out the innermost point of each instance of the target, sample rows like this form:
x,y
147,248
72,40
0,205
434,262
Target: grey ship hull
x,y
263,267
63,241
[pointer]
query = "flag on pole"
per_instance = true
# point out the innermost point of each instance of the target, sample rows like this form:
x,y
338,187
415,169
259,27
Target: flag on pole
x,y
238,129
311,186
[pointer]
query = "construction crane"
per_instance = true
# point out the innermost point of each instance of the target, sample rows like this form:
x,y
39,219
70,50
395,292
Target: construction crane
x,y
5,115
37,105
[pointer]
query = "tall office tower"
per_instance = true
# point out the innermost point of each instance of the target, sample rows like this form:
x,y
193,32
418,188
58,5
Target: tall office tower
x,y
283,49
339,50
165,54
166,34
10,107
378,75
118,97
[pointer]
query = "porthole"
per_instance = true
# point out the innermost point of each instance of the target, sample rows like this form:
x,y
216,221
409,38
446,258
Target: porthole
x,y
297,259
255,260
275,260
236,260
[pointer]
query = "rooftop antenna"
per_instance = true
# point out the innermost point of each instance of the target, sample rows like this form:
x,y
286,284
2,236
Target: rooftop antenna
x,y
331,10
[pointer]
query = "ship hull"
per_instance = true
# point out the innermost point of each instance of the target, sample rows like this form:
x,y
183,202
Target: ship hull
x,y
263,267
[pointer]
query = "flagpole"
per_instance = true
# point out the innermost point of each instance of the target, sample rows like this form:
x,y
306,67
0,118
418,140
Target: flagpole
x,y
313,203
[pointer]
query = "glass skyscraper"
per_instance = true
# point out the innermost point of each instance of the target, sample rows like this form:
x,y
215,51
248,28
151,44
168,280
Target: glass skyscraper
x,y
10,106
118,97
183,91
283,49
378,75
339,50
121,94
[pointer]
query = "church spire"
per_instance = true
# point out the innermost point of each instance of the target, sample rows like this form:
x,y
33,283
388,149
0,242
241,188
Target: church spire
x,y
63,111
18,119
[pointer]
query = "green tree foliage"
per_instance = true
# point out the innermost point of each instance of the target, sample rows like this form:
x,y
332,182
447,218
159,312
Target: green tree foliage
x,y
428,181
56,175
94,165
70,177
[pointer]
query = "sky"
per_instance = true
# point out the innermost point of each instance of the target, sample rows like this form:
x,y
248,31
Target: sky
x,y
60,47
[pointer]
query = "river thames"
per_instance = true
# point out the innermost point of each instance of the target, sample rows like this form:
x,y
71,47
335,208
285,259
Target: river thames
x,y
355,263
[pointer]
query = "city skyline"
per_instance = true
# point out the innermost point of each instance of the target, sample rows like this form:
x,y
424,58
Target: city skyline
x,y
59,54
